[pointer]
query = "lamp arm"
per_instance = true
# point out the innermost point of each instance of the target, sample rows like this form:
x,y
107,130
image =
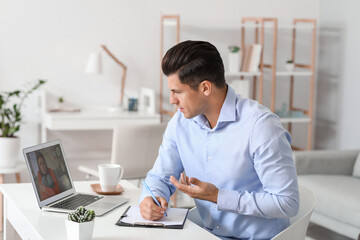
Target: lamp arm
x,y
123,77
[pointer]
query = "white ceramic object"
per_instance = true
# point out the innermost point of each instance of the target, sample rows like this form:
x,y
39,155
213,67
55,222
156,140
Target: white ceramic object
x,y
79,231
110,175
241,87
290,67
234,62
147,100
9,151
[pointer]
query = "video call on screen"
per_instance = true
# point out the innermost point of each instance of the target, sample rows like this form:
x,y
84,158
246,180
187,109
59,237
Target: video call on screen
x,y
49,171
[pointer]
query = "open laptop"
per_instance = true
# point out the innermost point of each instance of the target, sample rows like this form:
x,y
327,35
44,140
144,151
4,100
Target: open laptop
x,y
54,188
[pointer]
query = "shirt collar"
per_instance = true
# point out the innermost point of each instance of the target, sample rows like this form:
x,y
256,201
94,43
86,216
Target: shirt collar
x,y
228,110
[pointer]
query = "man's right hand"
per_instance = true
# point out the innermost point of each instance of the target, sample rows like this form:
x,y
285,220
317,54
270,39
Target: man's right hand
x,y
150,210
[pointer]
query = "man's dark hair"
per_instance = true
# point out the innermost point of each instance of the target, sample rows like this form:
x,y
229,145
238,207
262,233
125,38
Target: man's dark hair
x,y
195,61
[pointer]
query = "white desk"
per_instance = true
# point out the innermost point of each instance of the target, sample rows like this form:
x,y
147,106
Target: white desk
x,y
3,171
94,118
22,213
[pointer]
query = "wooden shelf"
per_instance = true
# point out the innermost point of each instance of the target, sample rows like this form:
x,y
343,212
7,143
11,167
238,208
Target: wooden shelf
x,y
280,26
167,21
300,73
294,73
295,120
239,74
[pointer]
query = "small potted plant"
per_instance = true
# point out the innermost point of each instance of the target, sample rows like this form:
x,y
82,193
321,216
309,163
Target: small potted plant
x,y
290,65
80,224
60,102
234,58
10,120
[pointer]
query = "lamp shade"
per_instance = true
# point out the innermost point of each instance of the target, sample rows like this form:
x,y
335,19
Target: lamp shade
x,y
94,65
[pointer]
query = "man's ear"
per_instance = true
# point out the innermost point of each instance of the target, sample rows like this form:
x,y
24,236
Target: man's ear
x,y
205,87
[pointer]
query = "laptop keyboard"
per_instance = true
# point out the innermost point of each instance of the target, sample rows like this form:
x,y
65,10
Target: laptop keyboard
x,y
77,200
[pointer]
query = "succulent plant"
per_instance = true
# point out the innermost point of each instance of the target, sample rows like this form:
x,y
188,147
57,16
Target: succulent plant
x,y
81,214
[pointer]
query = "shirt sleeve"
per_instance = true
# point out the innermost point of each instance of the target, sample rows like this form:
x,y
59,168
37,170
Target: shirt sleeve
x,y
270,149
167,164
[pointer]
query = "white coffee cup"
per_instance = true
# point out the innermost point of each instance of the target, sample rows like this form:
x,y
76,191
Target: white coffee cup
x,y
110,175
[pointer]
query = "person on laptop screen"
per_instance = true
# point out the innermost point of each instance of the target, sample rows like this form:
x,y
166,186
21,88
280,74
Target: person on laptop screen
x,y
49,185
235,151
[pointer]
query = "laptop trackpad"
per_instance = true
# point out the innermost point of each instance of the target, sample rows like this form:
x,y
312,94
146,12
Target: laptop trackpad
x,y
103,204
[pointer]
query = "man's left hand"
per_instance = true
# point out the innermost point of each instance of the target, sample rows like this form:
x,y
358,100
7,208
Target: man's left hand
x,y
200,190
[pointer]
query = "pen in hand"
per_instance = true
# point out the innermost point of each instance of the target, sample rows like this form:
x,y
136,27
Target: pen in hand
x,y
184,174
152,195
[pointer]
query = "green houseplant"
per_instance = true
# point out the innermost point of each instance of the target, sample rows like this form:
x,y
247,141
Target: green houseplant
x,y
80,224
10,120
234,58
234,49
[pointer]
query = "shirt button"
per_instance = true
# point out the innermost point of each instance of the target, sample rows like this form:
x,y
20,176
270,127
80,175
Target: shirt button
x,y
209,158
217,227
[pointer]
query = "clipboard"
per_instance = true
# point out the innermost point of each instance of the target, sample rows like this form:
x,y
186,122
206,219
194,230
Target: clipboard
x,y
162,223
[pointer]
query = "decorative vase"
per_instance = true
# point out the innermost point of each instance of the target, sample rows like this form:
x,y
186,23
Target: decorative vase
x,y
290,67
79,231
9,151
234,62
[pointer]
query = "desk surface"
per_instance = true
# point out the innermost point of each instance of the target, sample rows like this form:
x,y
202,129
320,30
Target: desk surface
x,y
30,222
95,118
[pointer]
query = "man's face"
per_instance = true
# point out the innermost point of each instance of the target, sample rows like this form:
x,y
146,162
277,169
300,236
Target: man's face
x,y
190,102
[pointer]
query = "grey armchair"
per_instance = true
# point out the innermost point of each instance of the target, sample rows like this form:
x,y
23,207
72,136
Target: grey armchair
x,y
328,174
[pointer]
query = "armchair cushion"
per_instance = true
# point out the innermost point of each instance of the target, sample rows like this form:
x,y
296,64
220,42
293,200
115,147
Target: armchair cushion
x,y
356,171
337,196
329,162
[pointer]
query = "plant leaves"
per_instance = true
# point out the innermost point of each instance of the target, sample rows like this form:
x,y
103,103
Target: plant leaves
x,y
10,115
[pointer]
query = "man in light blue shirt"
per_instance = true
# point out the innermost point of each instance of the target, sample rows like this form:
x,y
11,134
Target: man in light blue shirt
x,y
235,152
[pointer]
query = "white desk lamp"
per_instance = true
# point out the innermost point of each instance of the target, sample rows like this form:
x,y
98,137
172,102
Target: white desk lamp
x,y
94,66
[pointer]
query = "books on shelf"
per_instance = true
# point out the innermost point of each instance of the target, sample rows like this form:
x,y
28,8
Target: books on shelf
x,y
251,58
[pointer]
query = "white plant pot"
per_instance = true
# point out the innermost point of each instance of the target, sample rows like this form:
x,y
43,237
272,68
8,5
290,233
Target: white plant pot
x,y
290,67
234,62
79,231
9,151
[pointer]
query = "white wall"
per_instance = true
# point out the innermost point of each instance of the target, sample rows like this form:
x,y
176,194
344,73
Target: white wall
x,y
338,114
53,39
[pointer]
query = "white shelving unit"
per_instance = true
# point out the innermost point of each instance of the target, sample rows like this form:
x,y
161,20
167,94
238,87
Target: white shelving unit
x,y
307,70
304,71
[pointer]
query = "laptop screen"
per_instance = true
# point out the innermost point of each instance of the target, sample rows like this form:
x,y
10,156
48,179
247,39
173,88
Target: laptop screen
x,y
48,171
